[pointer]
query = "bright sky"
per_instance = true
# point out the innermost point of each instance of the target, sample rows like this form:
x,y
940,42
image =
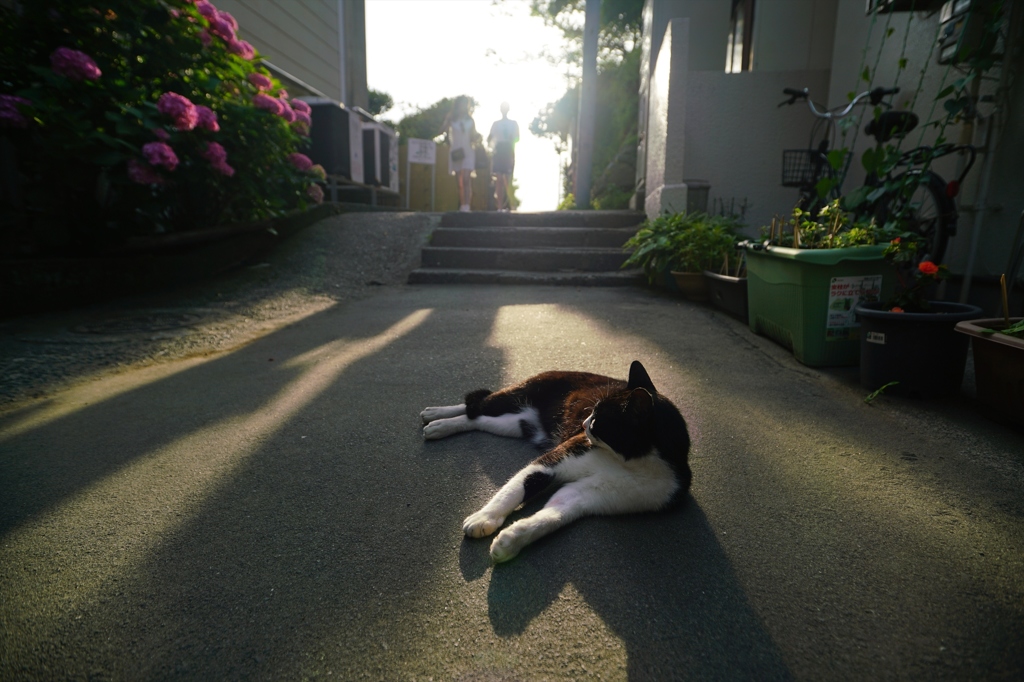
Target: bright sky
x,y
419,51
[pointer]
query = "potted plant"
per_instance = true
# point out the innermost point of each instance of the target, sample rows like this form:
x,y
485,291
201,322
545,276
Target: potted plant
x,y
727,289
999,363
807,276
682,245
910,341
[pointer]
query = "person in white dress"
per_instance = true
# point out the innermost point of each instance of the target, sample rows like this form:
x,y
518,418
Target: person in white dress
x,y
462,157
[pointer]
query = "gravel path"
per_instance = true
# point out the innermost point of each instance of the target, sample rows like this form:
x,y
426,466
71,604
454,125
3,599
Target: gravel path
x,y
341,258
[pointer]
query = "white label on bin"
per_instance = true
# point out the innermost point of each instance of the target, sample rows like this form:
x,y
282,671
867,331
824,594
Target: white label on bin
x,y
876,337
845,293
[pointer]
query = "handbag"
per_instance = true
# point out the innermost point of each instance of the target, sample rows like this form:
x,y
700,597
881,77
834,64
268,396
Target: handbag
x,y
458,154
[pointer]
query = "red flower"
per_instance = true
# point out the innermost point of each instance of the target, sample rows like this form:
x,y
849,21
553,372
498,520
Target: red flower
x,y
928,268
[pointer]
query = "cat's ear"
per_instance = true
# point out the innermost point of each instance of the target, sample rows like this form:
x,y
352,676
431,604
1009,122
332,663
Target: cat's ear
x,y
640,401
638,378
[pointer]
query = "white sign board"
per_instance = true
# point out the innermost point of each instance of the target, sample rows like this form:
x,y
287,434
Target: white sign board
x,y
422,151
845,293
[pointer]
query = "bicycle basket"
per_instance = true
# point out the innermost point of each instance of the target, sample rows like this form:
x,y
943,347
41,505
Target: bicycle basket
x,y
803,167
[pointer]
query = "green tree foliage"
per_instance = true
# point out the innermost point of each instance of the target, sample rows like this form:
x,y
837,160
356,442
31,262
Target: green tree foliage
x,y
137,117
618,83
380,102
428,123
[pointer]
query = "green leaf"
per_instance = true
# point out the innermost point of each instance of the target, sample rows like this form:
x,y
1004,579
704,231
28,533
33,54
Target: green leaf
x,y
824,186
866,75
856,197
837,158
945,92
877,193
903,63
871,159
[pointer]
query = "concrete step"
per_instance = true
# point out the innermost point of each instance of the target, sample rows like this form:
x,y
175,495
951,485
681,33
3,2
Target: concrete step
x,y
618,278
577,219
525,237
551,259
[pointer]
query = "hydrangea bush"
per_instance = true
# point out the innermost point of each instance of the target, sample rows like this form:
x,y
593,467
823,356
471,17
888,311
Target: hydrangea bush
x,y
139,117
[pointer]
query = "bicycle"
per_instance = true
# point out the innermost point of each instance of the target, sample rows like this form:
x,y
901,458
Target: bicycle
x,y
918,197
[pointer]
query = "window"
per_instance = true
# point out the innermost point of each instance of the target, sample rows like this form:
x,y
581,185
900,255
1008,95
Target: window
x,y
741,34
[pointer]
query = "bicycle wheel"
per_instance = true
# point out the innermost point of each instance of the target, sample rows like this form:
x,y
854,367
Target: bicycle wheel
x,y
926,211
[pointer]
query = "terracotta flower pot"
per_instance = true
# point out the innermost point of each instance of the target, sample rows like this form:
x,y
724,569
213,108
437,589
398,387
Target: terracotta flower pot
x,y
692,285
998,369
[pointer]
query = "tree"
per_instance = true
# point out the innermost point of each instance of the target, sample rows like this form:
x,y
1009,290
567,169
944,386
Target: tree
x,y
618,82
380,102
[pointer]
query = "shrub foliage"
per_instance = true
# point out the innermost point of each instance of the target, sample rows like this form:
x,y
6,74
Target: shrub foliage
x,y
139,117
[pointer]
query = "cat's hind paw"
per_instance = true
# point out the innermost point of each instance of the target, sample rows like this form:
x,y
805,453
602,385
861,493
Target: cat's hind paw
x,y
506,546
481,524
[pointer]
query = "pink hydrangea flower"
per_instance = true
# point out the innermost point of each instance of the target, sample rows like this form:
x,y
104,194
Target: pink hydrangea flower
x,y
260,81
315,193
207,118
271,104
299,105
282,93
180,109
319,171
143,174
161,134
205,38
300,161
286,111
302,118
206,9
74,64
10,115
160,154
222,28
217,156
241,48
228,18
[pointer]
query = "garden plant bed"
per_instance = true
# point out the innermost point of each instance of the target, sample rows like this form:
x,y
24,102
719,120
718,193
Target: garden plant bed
x,y
30,285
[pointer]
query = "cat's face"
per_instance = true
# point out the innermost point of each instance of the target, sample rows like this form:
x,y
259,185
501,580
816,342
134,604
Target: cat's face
x,y
621,423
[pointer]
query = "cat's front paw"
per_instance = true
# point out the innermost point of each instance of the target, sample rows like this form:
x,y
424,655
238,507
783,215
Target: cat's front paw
x,y
506,546
482,523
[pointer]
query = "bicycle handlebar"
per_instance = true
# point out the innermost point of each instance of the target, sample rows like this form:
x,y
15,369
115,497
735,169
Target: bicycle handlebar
x,y
874,97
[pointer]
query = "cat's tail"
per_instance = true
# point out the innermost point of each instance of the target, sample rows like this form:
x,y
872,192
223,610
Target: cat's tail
x,y
475,401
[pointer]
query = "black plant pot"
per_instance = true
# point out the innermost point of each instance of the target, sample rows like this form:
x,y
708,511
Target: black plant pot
x,y
728,294
919,350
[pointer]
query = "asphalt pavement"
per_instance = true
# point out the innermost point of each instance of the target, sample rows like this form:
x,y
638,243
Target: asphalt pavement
x,y
271,511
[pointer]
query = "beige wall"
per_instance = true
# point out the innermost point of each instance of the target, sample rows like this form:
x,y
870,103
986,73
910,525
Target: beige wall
x,y
734,134
299,36
1005,200
793,35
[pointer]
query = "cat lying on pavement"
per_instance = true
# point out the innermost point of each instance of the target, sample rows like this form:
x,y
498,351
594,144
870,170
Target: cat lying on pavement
x,y
615,447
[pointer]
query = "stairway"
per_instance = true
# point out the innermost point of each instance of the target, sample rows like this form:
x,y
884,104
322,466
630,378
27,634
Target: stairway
x,y
575,248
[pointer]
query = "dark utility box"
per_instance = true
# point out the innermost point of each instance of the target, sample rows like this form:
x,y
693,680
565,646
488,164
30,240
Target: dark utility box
x,y
336,139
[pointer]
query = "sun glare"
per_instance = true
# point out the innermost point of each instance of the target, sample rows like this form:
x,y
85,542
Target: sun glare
x,y
420,52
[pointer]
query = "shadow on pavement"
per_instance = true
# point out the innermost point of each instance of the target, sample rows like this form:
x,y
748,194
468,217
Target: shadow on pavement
x,y
675,603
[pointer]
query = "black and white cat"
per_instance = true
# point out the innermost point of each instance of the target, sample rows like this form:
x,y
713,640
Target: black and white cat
x,y
615,447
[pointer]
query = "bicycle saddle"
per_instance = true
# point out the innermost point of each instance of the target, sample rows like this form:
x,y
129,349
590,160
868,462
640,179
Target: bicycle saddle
x,y
890,124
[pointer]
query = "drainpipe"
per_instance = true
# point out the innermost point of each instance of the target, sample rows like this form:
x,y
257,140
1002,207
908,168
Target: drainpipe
x,y
341,51
588,104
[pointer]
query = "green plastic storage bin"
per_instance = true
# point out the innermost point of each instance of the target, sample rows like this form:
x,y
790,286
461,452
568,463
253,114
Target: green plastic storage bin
x,y
804,299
